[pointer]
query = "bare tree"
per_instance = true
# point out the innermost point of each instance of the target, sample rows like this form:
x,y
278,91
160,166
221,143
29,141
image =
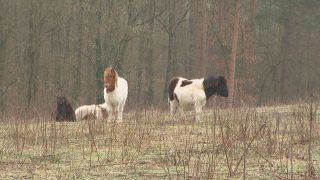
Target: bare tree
x,y
172,54
77,71
98,51
149,51
62,49
233,56
285,50
36,20
198,27
174,22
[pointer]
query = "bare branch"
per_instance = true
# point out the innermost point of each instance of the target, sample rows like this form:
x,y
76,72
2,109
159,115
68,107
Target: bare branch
x,y
7,88
163,25
182,19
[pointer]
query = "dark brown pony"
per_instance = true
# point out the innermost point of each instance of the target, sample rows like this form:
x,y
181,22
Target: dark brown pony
x,y
64,110
110,79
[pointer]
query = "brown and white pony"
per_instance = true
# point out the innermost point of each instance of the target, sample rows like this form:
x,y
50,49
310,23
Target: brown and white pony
x,y
195,92
93,111
115,92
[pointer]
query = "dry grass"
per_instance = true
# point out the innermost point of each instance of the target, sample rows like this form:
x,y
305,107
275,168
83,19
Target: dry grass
x,y
268,142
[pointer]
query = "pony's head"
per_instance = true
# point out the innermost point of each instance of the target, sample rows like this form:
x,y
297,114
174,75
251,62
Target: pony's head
x,y
110,78
215,85
222,88
64,110
61,108
61,103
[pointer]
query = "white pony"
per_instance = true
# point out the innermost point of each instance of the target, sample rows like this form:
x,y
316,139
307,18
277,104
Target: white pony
x,y
91,111
195,92
115,92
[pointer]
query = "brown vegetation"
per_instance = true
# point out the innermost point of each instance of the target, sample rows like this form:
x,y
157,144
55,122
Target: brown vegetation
x,y
268,142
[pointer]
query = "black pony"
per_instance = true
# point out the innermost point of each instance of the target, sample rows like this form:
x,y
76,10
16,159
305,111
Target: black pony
x,y
64,110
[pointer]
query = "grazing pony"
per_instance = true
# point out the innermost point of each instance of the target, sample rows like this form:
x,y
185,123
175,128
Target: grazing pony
x,y
64,110
93,111
195,92
115,92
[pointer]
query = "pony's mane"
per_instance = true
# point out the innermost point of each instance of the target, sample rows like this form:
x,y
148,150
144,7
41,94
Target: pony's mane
x,y
110,78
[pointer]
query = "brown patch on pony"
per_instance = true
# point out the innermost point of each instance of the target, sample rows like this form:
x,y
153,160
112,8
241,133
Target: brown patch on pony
x,y
64,110
110,79
185,82
94,116
89,116
172,85
176,97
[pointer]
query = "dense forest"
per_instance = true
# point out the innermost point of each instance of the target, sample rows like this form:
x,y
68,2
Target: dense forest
x,y
267,49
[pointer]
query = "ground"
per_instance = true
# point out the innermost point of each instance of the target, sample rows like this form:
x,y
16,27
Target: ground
x,y
264,142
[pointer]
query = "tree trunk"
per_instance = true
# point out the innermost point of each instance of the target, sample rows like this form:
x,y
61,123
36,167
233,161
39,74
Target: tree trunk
x,y
251,34
233,56
253,8
121,53
77,71
285,52
190,32
57,50
123,45
149,52
221,21
199,32
172,54
99,65
90,77
32,52
66,54
201,50
2,57
145,65
140,67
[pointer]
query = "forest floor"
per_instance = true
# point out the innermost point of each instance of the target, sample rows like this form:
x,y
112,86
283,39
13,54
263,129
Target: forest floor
x,y
267,142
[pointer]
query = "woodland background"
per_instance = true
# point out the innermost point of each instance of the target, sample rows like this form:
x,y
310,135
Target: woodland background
x,y
267,49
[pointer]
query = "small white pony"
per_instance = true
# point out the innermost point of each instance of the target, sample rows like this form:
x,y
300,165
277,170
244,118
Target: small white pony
x,y
98,112
195,92
115,92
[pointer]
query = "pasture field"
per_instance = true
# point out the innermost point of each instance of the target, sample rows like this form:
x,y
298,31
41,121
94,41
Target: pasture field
x,y
280,142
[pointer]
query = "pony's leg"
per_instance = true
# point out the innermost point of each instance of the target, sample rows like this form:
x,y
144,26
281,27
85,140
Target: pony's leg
x,y
173,107
120,111
198,110
119,116
99,114
112,115
182,113
114,112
